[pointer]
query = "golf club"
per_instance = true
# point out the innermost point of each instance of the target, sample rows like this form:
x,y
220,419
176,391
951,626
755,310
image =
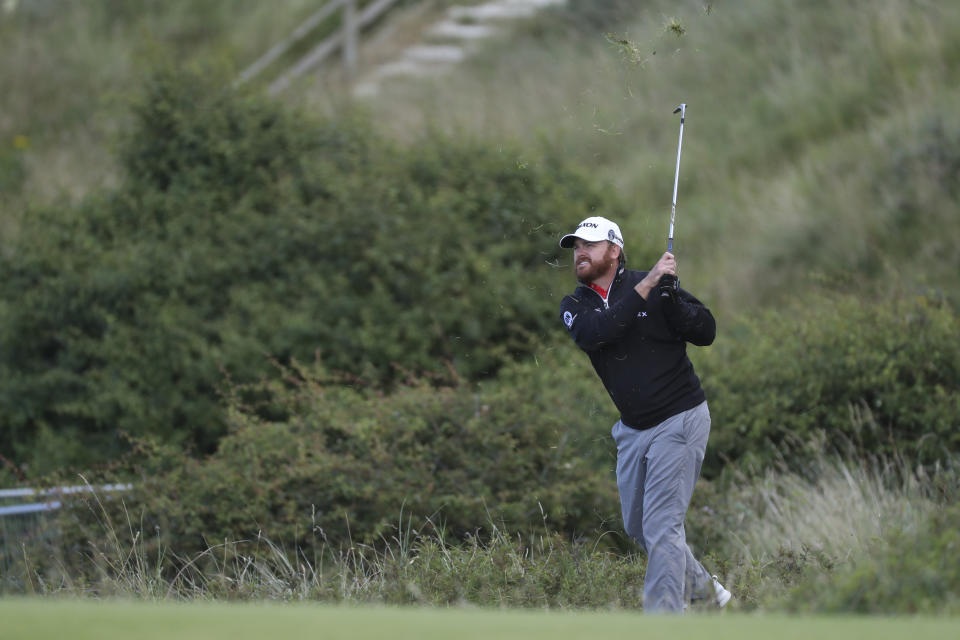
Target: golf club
x,y
669,284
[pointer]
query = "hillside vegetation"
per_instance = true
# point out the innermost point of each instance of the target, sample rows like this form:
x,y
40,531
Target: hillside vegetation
x,y
299,320
820,142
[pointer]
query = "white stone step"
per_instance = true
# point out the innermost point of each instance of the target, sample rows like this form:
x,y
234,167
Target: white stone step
x,y
465,23
403,68
460,31
500,10
434,53
366,89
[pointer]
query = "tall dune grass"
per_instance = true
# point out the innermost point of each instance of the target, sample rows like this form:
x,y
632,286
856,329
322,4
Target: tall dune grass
x,y
850,534
841,507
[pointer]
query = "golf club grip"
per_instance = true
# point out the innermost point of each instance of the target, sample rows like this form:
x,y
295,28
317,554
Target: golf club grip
x,y
668,286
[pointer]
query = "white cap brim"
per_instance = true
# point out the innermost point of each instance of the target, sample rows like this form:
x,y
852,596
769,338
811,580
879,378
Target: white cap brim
x,y
566,242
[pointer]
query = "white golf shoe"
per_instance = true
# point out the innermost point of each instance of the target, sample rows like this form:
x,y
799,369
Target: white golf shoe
x,y
721,595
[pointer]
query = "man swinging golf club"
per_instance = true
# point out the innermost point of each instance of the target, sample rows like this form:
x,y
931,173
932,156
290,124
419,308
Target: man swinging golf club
x,y
634,326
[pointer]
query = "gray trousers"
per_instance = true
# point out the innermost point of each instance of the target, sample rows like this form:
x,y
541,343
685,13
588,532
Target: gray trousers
x,y
657,469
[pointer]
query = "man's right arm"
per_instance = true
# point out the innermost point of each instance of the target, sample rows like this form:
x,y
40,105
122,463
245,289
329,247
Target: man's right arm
x,y
592,327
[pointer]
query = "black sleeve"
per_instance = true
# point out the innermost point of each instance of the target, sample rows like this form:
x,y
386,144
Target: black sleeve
x,y
592,327
690,318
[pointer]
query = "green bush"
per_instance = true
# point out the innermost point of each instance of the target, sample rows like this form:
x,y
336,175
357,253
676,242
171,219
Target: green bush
x,y
310,461
244,230
881,378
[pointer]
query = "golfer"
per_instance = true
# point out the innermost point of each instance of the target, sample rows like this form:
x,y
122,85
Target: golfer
x,y
637,339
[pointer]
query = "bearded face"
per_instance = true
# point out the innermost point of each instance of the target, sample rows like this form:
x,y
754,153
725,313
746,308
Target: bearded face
x,y
594,260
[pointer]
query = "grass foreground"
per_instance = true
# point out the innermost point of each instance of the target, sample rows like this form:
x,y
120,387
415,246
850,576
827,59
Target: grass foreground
x,y
44,618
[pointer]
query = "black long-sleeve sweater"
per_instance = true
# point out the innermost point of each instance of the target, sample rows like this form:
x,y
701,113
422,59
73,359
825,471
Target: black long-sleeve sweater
x,y
639,347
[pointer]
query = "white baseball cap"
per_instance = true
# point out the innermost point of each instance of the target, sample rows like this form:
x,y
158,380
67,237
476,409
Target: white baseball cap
x,y
594,229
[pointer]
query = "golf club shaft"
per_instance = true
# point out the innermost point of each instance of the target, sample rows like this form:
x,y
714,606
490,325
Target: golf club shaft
x,y
676,178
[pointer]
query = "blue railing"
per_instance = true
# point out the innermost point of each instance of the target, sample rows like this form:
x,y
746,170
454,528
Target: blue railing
x,y
52,493
25,522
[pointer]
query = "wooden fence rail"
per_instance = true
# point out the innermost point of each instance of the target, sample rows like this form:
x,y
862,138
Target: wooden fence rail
x,y
344,39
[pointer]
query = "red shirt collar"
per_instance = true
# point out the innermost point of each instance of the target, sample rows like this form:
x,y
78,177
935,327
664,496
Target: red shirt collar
x,y
598,289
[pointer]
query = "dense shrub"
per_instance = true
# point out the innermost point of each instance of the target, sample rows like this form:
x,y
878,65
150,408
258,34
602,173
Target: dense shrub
x,y
308,461
882,378
243,229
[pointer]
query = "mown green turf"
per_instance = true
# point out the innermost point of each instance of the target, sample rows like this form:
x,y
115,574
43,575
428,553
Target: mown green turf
x,y
41,619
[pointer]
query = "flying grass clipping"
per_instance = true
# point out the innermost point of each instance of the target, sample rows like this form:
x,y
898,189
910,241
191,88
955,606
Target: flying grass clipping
x,y
641,55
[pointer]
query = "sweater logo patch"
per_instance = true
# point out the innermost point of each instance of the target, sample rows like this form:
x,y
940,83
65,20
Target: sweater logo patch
x,y
642,314
568,319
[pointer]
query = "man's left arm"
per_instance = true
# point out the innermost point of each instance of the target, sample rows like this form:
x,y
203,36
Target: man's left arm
x,y
690,318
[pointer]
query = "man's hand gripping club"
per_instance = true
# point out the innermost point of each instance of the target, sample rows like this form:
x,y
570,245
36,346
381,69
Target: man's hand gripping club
x,y
666,266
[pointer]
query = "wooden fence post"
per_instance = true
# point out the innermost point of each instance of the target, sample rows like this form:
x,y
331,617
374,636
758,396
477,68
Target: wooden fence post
x,y
350,39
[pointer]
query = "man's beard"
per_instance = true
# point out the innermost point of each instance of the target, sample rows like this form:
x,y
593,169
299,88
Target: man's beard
x,y
595,270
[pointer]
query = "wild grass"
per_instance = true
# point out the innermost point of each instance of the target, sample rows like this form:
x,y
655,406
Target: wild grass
x,y
774,534
841,509
790,533
409,567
